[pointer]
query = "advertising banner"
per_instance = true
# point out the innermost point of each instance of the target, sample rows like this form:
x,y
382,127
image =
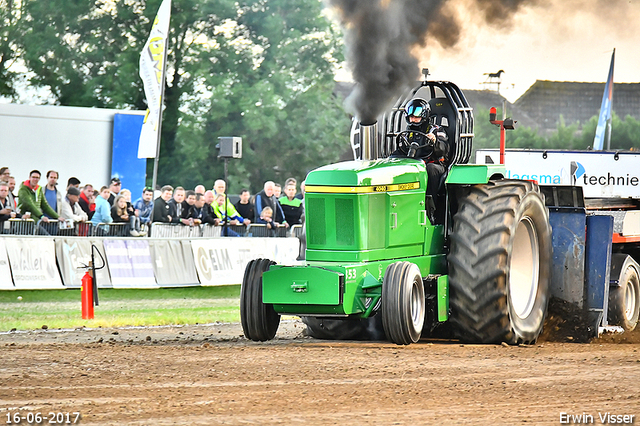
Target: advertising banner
x,y
600,174
130,263
33,263
74,254
222,261
6,282
173,263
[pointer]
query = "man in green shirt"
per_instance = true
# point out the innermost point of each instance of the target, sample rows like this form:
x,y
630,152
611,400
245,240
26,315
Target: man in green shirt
x,y
31,199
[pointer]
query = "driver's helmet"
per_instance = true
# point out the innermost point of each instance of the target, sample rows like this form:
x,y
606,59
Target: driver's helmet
x,y
417,108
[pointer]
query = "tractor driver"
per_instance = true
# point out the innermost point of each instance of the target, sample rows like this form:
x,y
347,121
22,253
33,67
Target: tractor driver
x,y
431,142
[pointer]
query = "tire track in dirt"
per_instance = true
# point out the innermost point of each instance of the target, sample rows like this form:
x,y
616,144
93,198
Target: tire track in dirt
x,y
192,378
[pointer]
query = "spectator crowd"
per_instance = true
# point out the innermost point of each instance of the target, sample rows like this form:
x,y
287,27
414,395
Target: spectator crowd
x,y
273,206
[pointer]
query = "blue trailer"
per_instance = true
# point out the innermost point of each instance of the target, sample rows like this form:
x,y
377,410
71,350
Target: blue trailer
x,y
593,199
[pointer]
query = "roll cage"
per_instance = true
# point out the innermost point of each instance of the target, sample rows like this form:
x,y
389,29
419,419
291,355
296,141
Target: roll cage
x,y
449,109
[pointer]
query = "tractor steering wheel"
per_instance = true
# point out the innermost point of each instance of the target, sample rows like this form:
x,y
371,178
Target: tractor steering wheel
x,y
403,140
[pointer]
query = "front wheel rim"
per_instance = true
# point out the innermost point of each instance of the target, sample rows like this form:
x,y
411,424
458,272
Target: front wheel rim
x,y
417,313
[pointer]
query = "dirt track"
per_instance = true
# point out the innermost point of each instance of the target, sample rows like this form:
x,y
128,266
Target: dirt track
x,y
211,375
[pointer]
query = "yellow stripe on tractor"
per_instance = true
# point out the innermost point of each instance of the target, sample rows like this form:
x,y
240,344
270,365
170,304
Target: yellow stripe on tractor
x,y
361,189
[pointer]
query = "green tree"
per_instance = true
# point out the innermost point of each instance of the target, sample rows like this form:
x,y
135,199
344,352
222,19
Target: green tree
x,y
11,15
258,69
275,89
625,134
88,53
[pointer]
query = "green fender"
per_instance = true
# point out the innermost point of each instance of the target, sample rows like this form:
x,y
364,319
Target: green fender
x,y
472,174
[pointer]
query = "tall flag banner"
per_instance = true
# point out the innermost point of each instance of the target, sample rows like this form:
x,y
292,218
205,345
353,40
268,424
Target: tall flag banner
x,y
605,109
152,72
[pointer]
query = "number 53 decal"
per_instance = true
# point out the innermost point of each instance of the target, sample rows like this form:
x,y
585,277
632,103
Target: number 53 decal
x,y
351,274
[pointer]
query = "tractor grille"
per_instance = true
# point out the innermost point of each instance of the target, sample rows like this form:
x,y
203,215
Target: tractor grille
x,y
331,222
317,233
344,222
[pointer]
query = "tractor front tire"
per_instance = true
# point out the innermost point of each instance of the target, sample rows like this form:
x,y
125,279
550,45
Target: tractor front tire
x,y
499,263
403,303
624,299
259,320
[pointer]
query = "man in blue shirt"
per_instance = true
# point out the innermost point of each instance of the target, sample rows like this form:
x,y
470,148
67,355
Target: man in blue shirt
x,y
51,193
144,205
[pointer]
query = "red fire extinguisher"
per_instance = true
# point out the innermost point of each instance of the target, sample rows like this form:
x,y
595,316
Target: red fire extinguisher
x,y
90,286
87,295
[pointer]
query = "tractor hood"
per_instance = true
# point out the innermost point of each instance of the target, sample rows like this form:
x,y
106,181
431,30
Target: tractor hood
x,y
383,174
368,210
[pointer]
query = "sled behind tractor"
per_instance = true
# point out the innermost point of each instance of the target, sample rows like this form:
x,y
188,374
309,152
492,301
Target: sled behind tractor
x,y
386,260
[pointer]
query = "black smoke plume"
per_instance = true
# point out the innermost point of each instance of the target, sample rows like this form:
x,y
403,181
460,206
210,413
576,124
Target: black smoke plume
x,y
381,34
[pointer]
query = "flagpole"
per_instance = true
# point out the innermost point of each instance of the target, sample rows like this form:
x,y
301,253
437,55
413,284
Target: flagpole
x,y
153,72
610,121
609,134
163,84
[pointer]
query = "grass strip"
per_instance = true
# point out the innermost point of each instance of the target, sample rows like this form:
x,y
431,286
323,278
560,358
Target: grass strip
x,y
33,309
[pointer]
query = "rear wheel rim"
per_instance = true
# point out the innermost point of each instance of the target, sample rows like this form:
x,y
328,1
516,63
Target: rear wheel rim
x,y
524,267
631,298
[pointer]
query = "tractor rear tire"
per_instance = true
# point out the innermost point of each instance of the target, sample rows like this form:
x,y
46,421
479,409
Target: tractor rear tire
x,y
403,303
624,299
499,263
259,320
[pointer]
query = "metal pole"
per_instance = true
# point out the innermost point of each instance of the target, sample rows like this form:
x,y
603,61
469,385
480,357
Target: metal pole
x,y
226,170
94,276
503,132
609,122
492,119
226,184
155,160
502,142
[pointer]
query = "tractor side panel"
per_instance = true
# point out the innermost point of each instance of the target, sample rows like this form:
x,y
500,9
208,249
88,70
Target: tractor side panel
x,y
407,219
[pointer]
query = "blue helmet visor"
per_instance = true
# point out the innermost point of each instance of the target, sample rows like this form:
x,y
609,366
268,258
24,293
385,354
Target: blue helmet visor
x,y
415,110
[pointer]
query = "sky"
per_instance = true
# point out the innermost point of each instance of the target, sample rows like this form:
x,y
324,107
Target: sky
x,y
559,40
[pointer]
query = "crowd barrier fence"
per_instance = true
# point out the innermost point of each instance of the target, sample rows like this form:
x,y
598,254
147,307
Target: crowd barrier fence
x,y
296,231
28,227
65,228
175,230
57,262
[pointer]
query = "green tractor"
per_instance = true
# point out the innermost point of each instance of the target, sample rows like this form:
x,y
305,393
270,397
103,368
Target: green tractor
x,y
383,254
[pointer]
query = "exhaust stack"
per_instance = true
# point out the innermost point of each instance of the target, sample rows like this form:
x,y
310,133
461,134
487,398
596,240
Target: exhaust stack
x,y
369,145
